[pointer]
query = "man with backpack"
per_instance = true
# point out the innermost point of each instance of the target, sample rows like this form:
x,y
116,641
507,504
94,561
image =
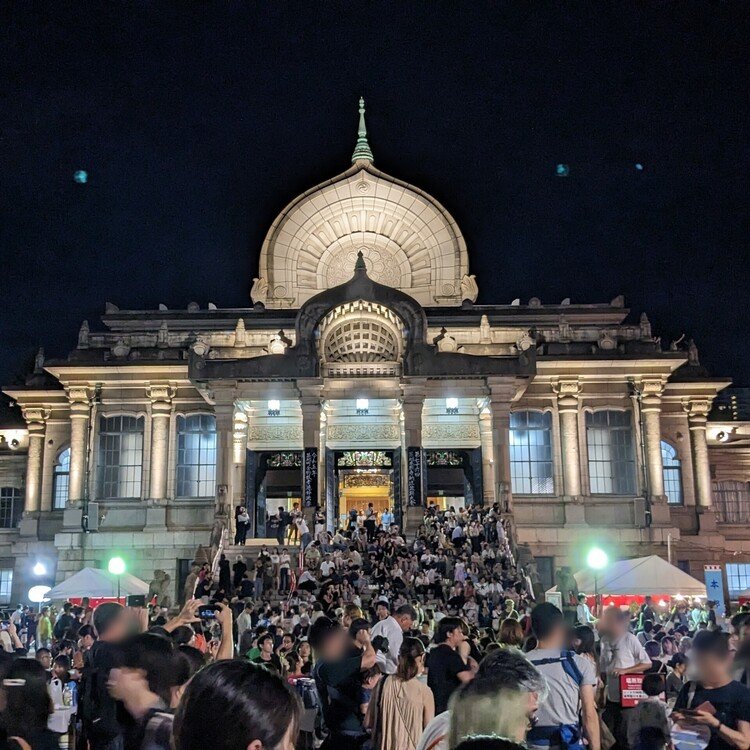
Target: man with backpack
x,y
571,681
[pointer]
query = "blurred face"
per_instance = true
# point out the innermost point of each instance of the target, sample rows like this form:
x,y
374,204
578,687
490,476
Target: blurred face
x,y
381,611
267,646
45,659
59,671
286,643
710,667
455,637
405,622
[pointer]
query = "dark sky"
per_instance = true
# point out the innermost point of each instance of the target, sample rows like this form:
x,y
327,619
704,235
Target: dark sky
x,y
198,122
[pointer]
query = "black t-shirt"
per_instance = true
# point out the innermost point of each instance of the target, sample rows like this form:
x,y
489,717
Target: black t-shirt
x,y
443,667
732,704
273,663
339,687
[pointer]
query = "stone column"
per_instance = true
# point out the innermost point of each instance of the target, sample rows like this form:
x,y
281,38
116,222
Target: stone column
x,y
651,391
239,457
224,439
161,411
80,408
567,406
697,412
501,396
35,422
310,406
488,464
412,406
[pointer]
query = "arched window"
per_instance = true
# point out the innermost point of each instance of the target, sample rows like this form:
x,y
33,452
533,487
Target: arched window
x,y
196,455
672,475
609,438
61,480
531,453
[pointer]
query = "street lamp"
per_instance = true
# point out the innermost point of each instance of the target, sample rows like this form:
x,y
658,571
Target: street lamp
x,y
39,569
116,567
597,559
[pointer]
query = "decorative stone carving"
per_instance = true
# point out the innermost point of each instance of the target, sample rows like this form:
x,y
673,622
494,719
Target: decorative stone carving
x,y
607,342
469,288
121,349
618,301
645,326
693,354
190,583
485,330
442,431
382,266
675,344
563,329
565,302
212,306
160,392
83,335
193,307
39,360
159,588
110,308
516,302
535,302
163,307
259,291
162,337
445,342
240,334
277,345
200,347
364,431
525,342
289,433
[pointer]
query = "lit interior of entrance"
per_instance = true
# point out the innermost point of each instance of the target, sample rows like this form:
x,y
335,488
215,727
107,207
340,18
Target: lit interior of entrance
x,y
360,487
445,502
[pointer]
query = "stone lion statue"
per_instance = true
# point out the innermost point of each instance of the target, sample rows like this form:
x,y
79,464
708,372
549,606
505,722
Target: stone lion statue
x,y
159,588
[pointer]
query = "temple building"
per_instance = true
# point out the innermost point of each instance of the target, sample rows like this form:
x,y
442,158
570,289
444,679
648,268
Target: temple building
x,y
365,371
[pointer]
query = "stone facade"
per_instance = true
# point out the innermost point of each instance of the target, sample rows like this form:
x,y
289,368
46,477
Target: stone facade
x,y
364,365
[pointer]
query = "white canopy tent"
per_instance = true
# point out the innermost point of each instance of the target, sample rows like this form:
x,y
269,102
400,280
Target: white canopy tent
x,y
97,584
641,576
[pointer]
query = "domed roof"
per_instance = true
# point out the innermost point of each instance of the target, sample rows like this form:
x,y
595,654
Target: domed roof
x,y
408,240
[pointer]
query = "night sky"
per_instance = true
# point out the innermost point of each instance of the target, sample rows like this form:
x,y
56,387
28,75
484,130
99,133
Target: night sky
x,y
198,122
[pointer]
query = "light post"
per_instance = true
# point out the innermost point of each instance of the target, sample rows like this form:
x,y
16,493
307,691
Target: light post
x,y
597,559
116,567
39,569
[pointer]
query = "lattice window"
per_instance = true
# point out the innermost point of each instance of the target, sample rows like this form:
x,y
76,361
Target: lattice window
x,y
120,459
672,474
732,501
609,437
61,480
6,584
11,507
738,578
361,341
531,453
196,456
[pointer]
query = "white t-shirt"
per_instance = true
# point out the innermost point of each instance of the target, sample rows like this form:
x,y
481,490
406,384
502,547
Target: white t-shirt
x,y
623,653
392,631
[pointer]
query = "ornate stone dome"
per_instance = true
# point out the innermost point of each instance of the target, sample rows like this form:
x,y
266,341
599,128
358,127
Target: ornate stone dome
x,y
408,240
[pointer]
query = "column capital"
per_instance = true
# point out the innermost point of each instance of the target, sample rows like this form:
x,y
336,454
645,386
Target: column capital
x,y
79,394
651,390
35,418
568,391
160,393
697,412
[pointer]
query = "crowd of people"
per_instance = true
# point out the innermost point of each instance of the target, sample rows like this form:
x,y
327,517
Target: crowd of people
x,y
370,639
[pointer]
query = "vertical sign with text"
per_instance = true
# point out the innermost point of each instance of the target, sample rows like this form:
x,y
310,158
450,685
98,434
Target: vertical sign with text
x,y
310,477
713,575
414,477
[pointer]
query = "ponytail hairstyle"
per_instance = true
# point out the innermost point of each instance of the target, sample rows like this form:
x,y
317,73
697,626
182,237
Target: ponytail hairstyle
x,y
408,656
